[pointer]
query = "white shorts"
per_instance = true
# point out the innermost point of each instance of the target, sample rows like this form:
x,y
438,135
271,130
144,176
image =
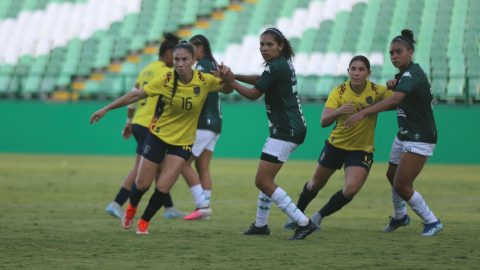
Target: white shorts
x,y
400,147
280,150
205,139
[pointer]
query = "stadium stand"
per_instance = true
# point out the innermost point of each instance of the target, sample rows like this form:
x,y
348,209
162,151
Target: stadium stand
x,y
95,48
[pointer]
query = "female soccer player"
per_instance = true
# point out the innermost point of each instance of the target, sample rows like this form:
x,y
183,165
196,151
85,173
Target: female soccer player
x,y
287,128
417,136
350,148
139,126
208,131
181,95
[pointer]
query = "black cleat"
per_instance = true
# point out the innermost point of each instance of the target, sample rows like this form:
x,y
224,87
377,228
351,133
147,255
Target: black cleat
x,y
257,231
303,231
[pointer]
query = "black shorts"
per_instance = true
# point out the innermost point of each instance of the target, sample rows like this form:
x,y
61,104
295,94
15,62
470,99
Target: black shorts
x,y
140,133
334,157
155,149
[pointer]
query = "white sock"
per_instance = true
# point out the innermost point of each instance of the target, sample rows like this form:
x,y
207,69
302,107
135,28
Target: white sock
x,y
207,193
263,210
198,195
421,208
399,205
285,203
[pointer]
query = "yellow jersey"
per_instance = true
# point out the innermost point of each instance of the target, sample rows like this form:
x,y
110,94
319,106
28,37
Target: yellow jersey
x,y
146,107
361,136
175,120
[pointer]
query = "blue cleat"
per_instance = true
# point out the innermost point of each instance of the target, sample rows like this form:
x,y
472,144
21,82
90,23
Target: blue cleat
x,y
432,228
290,225
115,210
173,213
395,224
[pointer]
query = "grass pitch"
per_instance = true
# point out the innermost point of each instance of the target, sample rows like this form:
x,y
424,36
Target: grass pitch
x,y
53,217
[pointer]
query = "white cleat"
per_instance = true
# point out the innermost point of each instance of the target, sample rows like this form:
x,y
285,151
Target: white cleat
x,y
115,210
174,213
317,219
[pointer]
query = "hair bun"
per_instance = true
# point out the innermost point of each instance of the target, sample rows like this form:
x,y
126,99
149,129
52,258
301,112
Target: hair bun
x,y
408,34
171,37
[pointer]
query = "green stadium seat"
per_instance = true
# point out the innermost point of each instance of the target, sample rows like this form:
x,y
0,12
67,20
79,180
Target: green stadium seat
x,y
4,83
48,85
324,86
32,85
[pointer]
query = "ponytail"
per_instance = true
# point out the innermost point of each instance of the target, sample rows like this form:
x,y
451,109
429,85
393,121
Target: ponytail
x,y
175,85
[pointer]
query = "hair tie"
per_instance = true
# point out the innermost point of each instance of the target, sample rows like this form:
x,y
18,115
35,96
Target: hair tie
x,y
271,29
404,40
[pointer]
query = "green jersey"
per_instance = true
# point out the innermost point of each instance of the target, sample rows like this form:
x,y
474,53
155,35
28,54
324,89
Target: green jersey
x,y
211,116
415,111
284,110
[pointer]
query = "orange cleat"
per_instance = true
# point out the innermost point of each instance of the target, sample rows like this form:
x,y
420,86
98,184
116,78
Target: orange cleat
x,y
142,227
127,220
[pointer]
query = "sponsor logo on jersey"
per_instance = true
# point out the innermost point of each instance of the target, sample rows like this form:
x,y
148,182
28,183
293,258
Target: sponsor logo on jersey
x,y
369,100
407,73
417,136
400,112
196,90
267,68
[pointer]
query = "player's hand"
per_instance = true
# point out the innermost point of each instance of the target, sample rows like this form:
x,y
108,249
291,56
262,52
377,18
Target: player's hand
x,y
353,119
346,109
97,116
127,131
391,84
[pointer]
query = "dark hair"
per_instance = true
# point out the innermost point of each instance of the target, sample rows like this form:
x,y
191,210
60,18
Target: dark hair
x,y
169,43
186,46
360,58
202,40
407,38
287,50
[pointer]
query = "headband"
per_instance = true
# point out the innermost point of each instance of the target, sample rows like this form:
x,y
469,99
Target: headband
x,y
271,29
404,40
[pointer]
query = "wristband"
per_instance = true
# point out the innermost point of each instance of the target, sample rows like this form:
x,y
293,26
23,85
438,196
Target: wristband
x,y
129,120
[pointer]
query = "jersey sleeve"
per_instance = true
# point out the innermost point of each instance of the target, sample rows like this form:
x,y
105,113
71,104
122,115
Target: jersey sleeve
x,y
333,99
213,83
157,86
407,83
268,79
384,92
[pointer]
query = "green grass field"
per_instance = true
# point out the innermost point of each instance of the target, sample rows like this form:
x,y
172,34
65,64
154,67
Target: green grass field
x,y
53,217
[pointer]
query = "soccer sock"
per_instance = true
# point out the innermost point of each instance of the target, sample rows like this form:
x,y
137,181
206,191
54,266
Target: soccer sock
x,y
263,210
136,195
168,201
284,202
399,205
421,208
207,193
337,201
122,196
198,195
156,202
305,198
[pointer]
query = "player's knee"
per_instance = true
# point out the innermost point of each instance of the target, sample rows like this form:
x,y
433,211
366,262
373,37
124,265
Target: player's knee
x,y
401,189
315,186
350,192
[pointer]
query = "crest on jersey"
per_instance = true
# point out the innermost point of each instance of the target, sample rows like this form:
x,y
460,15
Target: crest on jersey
x,y
267,68
369,100
196,90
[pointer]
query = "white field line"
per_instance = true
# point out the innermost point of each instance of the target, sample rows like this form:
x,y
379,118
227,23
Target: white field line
x,y
80,205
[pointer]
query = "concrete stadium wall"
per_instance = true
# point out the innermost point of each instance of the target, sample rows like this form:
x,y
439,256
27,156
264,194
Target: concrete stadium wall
x,y
36,127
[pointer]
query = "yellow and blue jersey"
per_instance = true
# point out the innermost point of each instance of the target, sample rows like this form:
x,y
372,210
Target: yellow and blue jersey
x,y
361,136
146,107
175,120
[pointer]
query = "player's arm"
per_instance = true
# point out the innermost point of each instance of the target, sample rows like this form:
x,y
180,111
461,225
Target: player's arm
x,y
384,105
227,76
226,89
123,101
330,115
127,130
250,79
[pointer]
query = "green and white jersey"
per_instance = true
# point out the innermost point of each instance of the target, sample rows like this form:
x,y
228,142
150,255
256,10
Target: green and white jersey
x,y
211,116
415,111
284,110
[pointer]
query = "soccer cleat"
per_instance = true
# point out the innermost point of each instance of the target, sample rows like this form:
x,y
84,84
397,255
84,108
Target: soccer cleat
x,y
173,213
200,214
395,224
317,219
257,231
142,227
290,225
432,228
115,210
303,231
127,220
